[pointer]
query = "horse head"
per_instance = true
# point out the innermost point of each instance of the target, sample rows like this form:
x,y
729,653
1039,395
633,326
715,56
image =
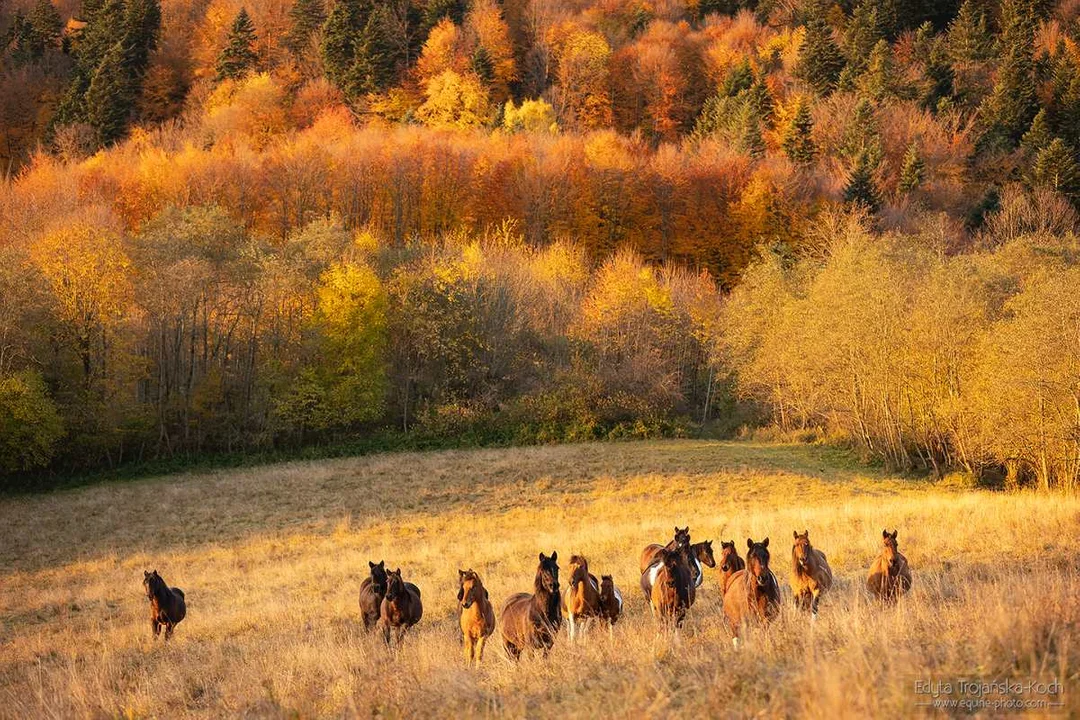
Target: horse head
x,y
888,549
757,560
395,586
607,589
729,556
677,577
151,583
704,553
547,573
471,588
579,569
800,550
378,576
682,538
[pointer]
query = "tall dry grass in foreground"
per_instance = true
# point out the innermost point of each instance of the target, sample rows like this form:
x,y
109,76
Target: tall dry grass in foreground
x,y
271,560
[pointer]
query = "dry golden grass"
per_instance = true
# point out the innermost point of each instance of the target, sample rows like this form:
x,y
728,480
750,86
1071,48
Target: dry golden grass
x,y
271,560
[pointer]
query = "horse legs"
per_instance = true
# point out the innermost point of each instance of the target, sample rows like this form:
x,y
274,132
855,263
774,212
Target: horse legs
x,y
571,626
512,650
467,643
814,603
168,631
155,626
478,650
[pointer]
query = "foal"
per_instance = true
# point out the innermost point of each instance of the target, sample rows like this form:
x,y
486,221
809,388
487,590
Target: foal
x,y
477,615
401,607
890,576
610,603
166,604
533,619
372,592
810,573
581,599
753,593
730,563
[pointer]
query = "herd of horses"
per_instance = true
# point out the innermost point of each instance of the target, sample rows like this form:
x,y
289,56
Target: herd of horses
x,y
670,577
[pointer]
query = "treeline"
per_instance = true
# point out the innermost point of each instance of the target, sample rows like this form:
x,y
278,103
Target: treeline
x,y
924,360
193,336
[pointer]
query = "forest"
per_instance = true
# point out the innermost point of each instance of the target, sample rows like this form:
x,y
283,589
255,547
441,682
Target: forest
x,y
230,227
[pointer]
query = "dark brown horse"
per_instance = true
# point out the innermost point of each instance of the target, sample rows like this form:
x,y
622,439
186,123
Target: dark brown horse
x,y
477,619
668,586
533,619
581,599
753,594
810,573
700,554
167,605
610,602
372,592
651,553
730,563
401,607
890,576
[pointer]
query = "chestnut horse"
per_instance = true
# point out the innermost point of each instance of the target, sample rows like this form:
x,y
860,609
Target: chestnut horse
x,y
581,599
167,605
372,592
610,602
477,618
753,593
533,619
401,607
668,586
730,563
810,573
890,576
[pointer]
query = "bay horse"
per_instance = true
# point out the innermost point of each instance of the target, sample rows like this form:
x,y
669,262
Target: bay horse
x,y
611,603
730,563
581,599
401,607
651,553
533,619
753,594
810,573
668,586
477,618
167,605
890,576
701,554
372,592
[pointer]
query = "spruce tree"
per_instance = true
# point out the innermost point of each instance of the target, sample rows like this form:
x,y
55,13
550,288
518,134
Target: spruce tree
x,y
748,129
798,141
46,26
968,39
862,34
238,57
1038,135
760,101
305,17
912,170
1011,107
862,137
357,52
1056,168
861,190
820,61
879,81
110,99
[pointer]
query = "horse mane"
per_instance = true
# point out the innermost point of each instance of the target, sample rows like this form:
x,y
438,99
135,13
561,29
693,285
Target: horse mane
x,y
159,589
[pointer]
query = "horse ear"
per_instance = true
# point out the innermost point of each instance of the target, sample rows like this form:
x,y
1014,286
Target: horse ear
x,y
555,556
884,533
146,573
806,533
894,534
543,557
750,543
795,534
765,542
371,564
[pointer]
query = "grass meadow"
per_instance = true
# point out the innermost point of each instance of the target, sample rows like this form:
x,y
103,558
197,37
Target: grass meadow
x,y
271,559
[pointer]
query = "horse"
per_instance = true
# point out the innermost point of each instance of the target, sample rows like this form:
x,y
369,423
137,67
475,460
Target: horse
x,y
533,619
401,607
700,554
890,576
610,602
581,599
681,541
810,573
167,606
477,617
753,594
668,586
730,563
372,592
